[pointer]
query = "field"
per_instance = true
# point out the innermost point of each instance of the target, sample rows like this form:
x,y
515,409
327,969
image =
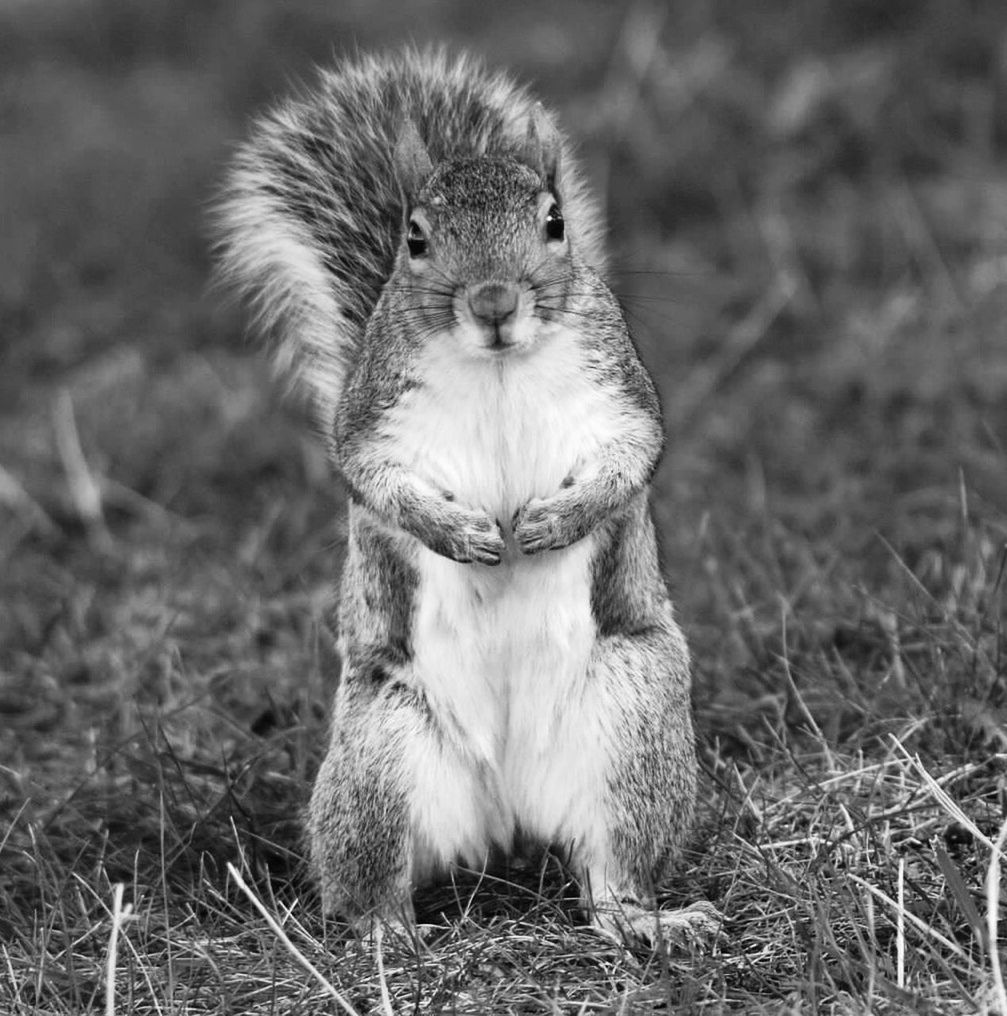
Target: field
x,y
807,206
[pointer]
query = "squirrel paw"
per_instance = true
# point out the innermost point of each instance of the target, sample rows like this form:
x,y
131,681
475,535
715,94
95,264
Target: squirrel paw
x,y
469,536
694,926
538,526
398,930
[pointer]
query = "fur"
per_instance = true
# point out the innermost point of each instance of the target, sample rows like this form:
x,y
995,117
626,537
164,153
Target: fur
x,y
417,233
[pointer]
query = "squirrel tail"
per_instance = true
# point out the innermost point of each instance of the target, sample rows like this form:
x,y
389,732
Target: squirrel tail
x,y
311,213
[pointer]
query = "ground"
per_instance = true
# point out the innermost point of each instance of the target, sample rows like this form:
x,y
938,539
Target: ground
x,y
808,218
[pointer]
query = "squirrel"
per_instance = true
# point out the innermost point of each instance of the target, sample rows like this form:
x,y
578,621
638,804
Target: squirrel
x,y
417,237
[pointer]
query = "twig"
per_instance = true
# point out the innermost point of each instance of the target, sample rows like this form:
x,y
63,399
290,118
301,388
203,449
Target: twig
x,y
386,1002
125,914
85,491
900,928
993,913
291,948
119,914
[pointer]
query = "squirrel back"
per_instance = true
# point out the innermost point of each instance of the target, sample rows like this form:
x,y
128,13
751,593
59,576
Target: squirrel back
x,y
313,208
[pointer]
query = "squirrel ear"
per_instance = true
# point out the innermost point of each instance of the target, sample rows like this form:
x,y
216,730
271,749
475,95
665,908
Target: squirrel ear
x,y
412,162
542,144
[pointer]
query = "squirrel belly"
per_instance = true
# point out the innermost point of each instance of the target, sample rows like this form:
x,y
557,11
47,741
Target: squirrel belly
x,y
500,652
500,656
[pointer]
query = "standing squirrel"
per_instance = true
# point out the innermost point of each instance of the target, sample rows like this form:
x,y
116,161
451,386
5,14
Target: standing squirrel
x,y
418,238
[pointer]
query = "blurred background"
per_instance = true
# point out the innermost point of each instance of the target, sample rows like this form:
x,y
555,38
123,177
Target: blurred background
x,y
807,202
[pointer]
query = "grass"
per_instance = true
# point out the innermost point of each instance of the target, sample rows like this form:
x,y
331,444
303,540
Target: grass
x,y
807,209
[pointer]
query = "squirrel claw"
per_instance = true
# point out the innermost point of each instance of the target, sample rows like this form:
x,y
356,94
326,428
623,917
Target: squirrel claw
x,y
466,536
483,543
695,926
485,552
484,555
536,527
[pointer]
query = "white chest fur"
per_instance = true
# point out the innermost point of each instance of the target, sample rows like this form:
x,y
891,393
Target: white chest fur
x,y
501,652
496,432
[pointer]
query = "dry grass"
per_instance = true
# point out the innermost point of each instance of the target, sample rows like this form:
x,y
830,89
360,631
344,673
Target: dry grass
x,y
818,197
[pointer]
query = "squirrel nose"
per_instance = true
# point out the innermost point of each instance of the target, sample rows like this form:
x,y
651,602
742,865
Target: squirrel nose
x,y
493,302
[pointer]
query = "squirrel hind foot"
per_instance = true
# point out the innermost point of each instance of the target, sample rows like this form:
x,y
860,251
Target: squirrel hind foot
x,y
696,926
397,930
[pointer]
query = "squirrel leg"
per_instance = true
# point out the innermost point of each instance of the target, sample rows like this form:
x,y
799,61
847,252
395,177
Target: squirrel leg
x,y
646,785
391,804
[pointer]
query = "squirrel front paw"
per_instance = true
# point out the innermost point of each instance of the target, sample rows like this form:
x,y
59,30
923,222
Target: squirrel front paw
x,y
541,524
465,535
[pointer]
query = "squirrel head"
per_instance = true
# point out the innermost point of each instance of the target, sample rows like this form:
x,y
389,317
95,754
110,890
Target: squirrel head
x,y
485,250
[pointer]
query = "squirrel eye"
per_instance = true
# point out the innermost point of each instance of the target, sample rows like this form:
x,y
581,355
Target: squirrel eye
x,y
416,240
554,229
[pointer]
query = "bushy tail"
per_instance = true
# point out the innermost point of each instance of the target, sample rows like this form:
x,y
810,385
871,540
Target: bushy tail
x,y
311,214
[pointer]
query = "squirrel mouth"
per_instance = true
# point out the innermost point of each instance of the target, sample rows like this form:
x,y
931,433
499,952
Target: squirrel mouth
x,y
501,338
